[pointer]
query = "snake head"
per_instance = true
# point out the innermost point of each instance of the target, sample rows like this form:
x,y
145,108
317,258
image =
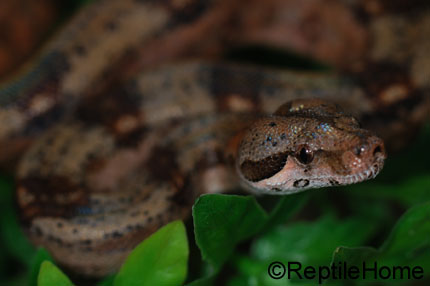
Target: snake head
x,y
307,144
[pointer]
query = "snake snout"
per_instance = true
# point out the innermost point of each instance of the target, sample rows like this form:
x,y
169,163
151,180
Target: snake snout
x,y
368,157
377,149
372,149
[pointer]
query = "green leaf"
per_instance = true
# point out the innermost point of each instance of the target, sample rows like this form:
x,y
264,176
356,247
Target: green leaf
x,y
161,259
410,239
222,221
407,245
107,281
41,256
254,272
354,255
204,281
5,189
286,207
411,191
309,243
50,275
15,240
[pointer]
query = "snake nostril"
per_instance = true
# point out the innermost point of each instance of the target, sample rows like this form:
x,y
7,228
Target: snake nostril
x,y
377,150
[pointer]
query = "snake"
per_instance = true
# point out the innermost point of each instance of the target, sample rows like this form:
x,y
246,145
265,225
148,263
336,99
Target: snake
x,y
130,113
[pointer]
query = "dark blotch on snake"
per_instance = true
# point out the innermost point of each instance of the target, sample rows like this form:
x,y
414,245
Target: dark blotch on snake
x,y
334,183
233,82
50,194
259,170
108,108
162,164
116,234
301,183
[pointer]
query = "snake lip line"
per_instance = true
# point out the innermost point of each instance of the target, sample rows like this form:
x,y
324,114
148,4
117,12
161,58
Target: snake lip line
x,y
369,173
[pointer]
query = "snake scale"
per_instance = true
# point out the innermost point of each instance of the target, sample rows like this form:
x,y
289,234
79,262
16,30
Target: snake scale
x,y
122,128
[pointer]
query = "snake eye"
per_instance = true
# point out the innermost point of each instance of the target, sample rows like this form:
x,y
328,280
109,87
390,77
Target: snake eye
x,y
305,155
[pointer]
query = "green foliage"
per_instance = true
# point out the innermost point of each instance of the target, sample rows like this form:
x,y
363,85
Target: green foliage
x,y
310,243
50,275
223,221
407,245
16,244
417,186
161,259
41,256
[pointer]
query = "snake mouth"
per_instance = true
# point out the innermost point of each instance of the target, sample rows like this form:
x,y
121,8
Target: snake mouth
x,y
369,173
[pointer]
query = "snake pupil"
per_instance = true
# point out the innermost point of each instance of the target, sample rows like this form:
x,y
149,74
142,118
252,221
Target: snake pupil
x,y
305,155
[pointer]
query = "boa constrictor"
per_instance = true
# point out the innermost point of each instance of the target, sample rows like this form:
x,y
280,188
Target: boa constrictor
x,y
126,141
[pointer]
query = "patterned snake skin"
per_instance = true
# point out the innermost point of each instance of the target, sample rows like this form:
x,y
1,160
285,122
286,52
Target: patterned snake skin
x,y
118,128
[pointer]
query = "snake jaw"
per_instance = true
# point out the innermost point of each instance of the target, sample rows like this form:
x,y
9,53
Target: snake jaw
x,y
368,174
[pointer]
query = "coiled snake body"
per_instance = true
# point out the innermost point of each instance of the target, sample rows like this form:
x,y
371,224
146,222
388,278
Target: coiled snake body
x,y
134,144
